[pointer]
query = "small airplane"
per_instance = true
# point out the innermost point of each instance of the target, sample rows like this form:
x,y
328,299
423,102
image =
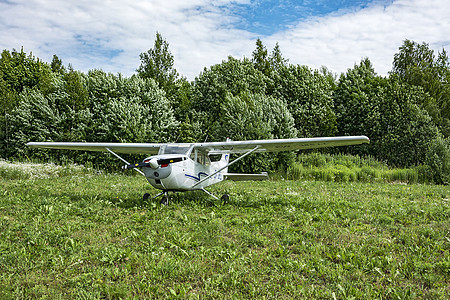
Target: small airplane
x,y
179,167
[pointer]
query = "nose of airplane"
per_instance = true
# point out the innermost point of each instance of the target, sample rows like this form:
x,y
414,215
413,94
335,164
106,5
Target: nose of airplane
x,y
153,163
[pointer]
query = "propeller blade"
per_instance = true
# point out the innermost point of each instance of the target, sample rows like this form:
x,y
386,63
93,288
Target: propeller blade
x,y
138,165
150,163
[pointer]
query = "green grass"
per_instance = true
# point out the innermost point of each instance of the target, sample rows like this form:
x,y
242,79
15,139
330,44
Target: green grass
x,y
346,168
80,235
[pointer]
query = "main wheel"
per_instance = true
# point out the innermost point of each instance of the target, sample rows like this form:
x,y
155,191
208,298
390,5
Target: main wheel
x,y
146,196
165,200
225,198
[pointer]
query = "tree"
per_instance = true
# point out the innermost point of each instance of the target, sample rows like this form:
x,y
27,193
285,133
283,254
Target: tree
x,y
21,71
34,119
416,64
386,110
18,71
158,63
231,77
256,116
260,58
276,59
308,95
56,65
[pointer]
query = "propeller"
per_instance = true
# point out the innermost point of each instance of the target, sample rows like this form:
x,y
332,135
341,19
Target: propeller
x,y
155,163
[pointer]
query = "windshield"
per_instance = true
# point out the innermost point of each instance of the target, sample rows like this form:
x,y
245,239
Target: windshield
x,y
175,149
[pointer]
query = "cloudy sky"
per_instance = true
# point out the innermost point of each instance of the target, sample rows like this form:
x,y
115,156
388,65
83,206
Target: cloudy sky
x,y
110,34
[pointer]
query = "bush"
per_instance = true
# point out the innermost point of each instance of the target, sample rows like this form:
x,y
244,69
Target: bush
x,y
438,160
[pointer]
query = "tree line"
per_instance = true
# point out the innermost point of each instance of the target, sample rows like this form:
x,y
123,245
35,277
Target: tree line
x,y
406,114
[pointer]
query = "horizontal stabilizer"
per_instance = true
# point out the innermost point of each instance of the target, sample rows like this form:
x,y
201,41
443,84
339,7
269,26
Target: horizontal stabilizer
x,y
243,177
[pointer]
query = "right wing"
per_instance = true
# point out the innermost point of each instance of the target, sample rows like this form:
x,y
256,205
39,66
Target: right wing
x,y
136,148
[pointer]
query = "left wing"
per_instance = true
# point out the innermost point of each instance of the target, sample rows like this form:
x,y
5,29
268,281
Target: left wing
x,y
136,148
276,145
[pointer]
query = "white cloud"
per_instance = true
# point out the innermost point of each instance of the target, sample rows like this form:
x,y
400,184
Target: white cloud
x,y
111,34
341,40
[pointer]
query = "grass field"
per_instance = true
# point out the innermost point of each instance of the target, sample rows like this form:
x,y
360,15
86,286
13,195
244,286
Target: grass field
x,y
73,234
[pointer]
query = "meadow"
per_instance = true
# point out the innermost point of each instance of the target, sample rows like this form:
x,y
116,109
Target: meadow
x,y
71,232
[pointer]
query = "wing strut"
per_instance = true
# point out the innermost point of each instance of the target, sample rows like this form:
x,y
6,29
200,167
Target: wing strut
x,y
116,155
226,166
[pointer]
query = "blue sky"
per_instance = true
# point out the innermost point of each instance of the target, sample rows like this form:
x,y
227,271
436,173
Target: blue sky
x,y
110,35
266,17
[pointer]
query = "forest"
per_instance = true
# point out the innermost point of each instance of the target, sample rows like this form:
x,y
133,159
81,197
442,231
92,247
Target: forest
x,y
406,114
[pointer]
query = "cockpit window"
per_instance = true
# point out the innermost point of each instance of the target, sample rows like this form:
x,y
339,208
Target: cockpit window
x,y
200,157
175,149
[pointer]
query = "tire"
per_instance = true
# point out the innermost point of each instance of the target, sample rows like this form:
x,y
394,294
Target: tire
x,y
164,200
225,198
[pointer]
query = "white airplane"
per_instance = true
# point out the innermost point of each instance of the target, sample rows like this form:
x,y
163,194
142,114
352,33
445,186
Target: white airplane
x,y
174,167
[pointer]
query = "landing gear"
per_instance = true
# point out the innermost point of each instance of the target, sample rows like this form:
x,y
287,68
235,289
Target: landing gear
x,y
164,200
225,198
165,197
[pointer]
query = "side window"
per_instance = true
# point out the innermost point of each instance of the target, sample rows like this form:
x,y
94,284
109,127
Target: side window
x,y
200,158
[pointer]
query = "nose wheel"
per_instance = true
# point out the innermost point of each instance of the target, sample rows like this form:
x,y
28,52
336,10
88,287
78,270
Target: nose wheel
x,y
164,199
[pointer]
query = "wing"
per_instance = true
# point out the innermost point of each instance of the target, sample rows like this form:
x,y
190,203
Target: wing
x,y
116,147
277,145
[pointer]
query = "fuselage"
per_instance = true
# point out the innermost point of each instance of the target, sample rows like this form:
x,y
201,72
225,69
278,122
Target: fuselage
x,y
180,172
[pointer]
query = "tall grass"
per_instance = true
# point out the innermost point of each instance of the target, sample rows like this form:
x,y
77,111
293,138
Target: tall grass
x,y
27,170
346,168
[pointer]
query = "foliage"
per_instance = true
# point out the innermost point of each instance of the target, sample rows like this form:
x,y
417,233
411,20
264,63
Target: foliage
x,y
88,236
260,58
212,86
404,114
438,159
309,97
157,63
253,117
98,107
386,110
268,64
416,64
18,71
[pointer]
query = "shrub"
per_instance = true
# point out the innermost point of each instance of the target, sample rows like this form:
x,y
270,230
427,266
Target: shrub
x,y
438,160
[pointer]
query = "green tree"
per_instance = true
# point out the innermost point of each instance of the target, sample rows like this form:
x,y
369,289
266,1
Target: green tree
x,y
438,158
260,58
56,65
386,110
209,90
75,87
276,59
158,63
33,119
252,117
416,64
18,71
128,110
309,96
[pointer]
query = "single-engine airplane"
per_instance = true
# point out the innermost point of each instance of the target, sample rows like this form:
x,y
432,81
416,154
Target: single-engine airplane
x,y
174,167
